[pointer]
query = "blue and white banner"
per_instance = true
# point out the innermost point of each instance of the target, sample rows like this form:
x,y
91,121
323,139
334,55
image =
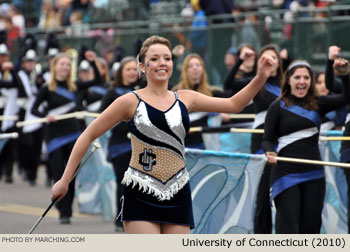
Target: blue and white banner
x,y
231,142
334,216
223,190
2,143
96,183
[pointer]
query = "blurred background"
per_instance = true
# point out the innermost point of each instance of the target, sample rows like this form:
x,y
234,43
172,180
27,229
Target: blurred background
x,y
114,28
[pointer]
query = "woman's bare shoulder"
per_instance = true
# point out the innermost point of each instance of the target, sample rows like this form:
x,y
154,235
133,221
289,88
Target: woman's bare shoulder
x,y
125,105
187,97
186,93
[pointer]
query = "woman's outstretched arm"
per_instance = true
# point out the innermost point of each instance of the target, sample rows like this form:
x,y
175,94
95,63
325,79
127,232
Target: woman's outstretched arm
x,y
121,109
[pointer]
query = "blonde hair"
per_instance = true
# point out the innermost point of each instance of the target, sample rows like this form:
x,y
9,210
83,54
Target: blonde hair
x,y
52,82
184,83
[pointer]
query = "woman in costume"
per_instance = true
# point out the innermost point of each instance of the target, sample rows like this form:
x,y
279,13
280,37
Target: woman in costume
x,y
157,194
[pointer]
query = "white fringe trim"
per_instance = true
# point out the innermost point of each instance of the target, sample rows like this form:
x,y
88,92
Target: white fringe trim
x,y
150,185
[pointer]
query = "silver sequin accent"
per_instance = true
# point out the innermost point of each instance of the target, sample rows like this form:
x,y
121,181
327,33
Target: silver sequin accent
x,y
174,120
146,127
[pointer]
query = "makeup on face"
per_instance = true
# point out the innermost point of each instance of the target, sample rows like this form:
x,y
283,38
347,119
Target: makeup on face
x,y
160,63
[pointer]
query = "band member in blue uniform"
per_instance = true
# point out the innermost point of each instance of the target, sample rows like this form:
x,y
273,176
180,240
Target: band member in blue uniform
x,y
9,84
31,136
298,189
60,135
119,145
89,99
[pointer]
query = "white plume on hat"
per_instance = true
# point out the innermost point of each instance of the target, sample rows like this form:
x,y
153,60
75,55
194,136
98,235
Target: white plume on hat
x,y
53,52
4,49
30,55
84,65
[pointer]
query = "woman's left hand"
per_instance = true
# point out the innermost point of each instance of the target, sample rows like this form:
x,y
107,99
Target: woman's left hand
x,y
225,117
341,66
265,66
51,118
271,157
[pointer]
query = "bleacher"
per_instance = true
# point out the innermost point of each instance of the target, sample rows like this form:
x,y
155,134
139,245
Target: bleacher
x,y
311,31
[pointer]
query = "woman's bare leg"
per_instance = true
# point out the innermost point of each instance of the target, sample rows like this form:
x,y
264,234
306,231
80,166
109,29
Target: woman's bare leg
x,y
174,229
141,227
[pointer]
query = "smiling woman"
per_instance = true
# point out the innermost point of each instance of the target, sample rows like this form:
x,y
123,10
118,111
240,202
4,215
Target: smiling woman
x,y
59,98
300,81
194,77
156,191
294,120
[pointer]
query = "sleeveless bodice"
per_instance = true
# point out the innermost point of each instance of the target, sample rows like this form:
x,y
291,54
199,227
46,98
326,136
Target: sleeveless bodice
x,y
158,153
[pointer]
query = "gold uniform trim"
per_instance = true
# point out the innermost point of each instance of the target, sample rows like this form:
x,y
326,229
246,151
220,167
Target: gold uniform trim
x,y
165,163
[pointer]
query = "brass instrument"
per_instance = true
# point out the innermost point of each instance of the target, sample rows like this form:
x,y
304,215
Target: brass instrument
x,y
6,75
73,54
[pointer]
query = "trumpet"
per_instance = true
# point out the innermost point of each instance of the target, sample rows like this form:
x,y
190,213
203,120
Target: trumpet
x,y
73,54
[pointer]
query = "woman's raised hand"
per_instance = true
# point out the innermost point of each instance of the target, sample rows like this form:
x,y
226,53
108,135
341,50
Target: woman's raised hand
x,y
341,66
333,52
90,55
246,53
265,66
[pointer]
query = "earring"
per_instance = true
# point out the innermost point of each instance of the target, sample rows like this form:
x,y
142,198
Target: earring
x,y
143,71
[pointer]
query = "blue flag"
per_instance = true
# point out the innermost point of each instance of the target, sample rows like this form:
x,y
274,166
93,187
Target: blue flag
x,y
223,190
96,183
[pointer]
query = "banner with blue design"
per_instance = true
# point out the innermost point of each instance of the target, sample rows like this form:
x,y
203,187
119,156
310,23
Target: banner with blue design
x,y
223,190
96,183
334,216
2,144
230,142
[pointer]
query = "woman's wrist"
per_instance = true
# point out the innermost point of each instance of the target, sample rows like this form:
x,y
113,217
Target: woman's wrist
x,y
271,153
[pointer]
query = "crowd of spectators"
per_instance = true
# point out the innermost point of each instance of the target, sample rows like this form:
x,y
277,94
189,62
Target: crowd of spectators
x,y
15,15
74,17
49,14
